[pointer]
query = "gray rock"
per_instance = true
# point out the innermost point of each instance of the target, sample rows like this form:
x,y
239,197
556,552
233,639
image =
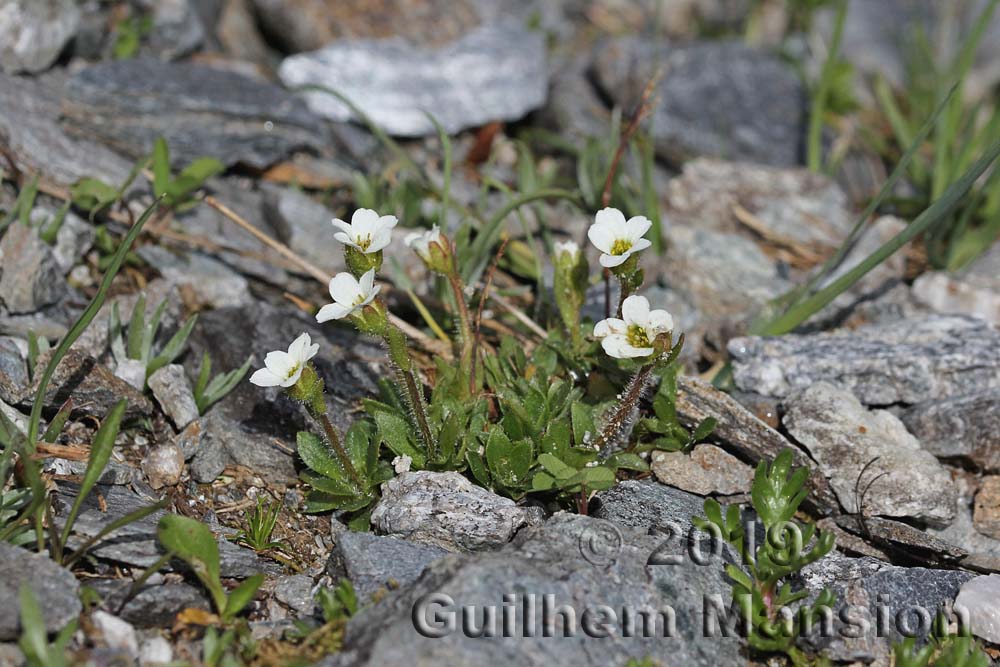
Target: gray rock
x,y
974,290
215,441
743,432
136,544
866,588
163,465
29,123
843,437
908,361
494,72
172,391
35,32
726,275
295,591
93,389
547,560
115,472
303,224
73,240
979,597
901,538
154,605
445,509
14,380
132,372
374,562
718,99
199,110
211,283
176,31
54,587
30,277
963,426
707,469
789,207
644,505
963,534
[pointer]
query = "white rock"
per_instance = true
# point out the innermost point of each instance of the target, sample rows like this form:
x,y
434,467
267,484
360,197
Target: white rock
x,y
35,32
981,598
116,632
155,651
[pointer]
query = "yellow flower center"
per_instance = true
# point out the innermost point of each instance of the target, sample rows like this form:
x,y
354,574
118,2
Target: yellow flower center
x,y
363,242
636,336
620,246
358,300
292,370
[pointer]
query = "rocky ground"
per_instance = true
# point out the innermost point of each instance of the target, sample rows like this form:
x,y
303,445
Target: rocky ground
x,y
890,394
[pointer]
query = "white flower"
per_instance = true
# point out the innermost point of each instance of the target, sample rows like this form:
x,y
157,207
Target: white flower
x,y
421,241
283,369
616,237
402,464
368,231
348,294
568,247
634,335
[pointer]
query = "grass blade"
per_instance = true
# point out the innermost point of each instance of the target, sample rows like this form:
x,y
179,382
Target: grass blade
x,y
100,454
85,319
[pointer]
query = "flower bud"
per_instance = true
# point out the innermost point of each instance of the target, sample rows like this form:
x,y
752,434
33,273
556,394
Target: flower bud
x,y
433,248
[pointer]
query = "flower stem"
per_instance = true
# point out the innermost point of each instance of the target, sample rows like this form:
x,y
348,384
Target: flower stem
x,y
466,337
618,421
400,356
338,448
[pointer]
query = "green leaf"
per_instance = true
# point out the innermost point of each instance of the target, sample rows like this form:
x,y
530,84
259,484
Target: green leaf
x,y
556,467
598,478
161,167
100,454
194,543
704,429
136,329
173,348
241,596
92,195
628,461
582,416
397,435
314,453
509,462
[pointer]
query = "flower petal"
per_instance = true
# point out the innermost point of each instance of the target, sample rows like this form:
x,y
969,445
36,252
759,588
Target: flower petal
x,y
610,326
614,219
265,378
602,236
637,227
333,311
381,240
611,261
345,238
344,227
641,244
344,287
367,283
660,321
635,310
278,362
298,346
387,222
364,221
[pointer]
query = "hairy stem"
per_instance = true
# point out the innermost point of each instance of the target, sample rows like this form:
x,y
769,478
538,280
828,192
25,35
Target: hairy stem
x,y
338,448
619,419
466,337
400,356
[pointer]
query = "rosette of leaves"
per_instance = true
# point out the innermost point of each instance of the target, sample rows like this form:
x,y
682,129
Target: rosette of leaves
x,y
663,430
760,589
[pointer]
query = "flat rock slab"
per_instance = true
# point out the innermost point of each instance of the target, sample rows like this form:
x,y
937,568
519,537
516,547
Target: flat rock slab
x,y
717,99
494,72
547,560
55,589
860,450
648,505
376,563
199,110
446,510
135,543
707,469
909,361
93,388
963,426
29,123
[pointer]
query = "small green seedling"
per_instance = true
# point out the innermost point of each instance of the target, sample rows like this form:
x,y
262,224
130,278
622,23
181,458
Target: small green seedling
x,y
337,603
260,525
760,589
945,649
209,390
178,191
194,543
138,346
